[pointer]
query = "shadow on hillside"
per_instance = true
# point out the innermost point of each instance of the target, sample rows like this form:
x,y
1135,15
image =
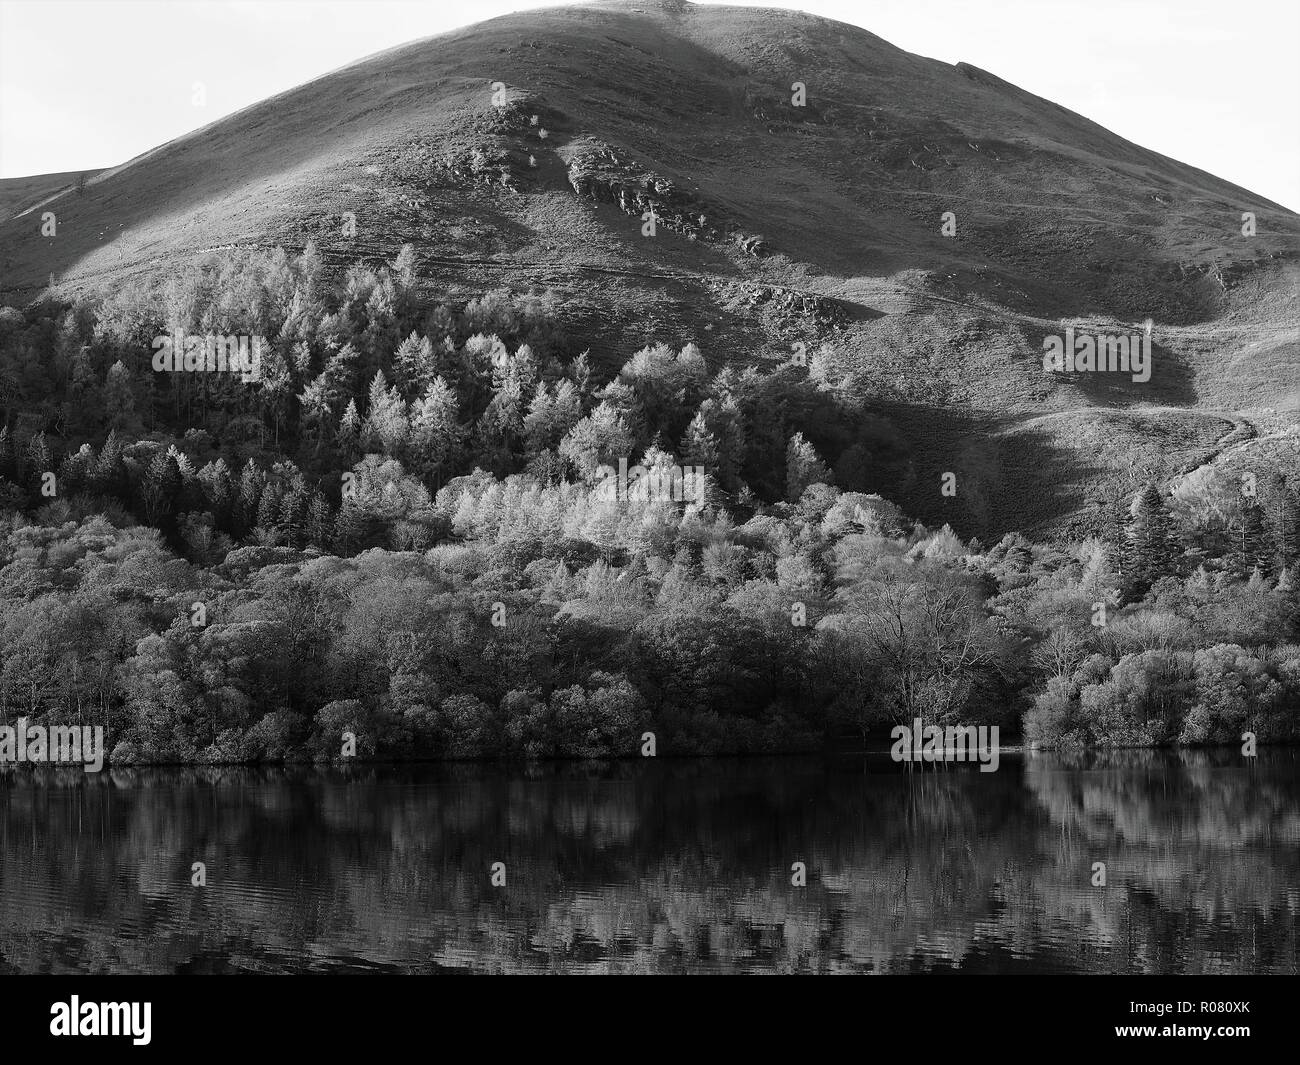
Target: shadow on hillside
x,y
1172,383
1004,481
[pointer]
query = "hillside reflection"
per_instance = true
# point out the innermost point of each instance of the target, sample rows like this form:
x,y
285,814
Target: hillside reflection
x,y
659,867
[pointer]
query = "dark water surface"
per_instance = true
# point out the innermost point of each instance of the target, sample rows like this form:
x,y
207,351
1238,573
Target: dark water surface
x,y
660,866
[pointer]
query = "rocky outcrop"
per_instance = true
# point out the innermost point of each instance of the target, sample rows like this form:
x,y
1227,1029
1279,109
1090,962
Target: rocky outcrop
x,y
789,310
602,174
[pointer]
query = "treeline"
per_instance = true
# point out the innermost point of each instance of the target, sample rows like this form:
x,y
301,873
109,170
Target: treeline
x,y
398,530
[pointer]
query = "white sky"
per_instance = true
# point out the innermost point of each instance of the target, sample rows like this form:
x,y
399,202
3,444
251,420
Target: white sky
x,y
91,83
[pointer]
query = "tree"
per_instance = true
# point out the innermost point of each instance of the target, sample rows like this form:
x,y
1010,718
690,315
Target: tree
x,y
386,425
1252,546
119,398
699,447
320,521
436,432
502,422
159,488
328,391
218,490
349,432
1284,520
293,517
927,639
251,481
403,266
276,386
415,365
539,422
1151,544
803,466
599,439
580,374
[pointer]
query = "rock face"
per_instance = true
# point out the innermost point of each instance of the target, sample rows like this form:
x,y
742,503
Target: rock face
x,y
789,311
603,174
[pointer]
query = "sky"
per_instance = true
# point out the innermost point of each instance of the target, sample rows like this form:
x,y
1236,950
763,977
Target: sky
x,y
86,84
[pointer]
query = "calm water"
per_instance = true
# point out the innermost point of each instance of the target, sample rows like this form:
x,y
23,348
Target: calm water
x,y
659,867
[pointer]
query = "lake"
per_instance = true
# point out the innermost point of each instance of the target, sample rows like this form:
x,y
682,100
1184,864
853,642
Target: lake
x,y
659,866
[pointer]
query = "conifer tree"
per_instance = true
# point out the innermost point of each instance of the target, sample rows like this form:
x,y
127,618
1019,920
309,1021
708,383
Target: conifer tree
x,y
414,365
251,480
803,466
436,432
1150,538
386,426
1252,546
1283,512
349,434
320,521
538,423
160,486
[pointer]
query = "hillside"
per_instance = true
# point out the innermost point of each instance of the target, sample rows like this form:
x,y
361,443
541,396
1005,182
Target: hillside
x,y
776,225
21,194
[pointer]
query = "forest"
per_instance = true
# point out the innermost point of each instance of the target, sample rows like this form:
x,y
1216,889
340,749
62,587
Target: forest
x,y
397,528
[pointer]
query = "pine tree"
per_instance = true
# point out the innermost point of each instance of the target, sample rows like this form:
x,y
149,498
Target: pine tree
x,y
503,420
320,521
109,474
580,374
349,434
268,511
1284,520
300,359
728,426
160,487
119,397
251,480
274,388
436,432
566,411
386,426
403,266
601,438
310,269
414,365
803,466
1114,531
293,518
1151,545
1252,546
699,447
539,422
218,490
328,391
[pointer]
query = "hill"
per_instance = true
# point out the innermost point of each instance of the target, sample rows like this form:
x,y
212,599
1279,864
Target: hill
x,y
524,152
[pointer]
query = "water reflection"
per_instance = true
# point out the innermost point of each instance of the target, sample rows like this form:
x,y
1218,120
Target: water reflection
x,y
659,867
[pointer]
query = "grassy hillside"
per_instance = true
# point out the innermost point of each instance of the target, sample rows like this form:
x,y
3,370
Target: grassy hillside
x,y
776,225
21,194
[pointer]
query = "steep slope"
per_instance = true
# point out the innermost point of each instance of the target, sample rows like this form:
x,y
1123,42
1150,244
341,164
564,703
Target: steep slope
x,y
21,194
776,224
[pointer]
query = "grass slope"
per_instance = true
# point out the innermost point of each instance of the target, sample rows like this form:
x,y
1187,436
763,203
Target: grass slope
x,y
778,224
